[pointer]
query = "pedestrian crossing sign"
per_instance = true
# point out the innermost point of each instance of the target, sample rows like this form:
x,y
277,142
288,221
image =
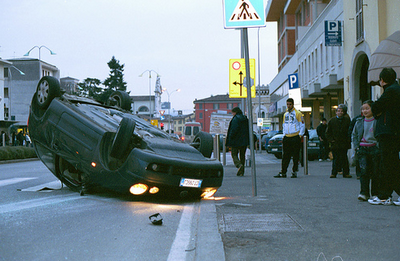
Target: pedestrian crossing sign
x,y
244,13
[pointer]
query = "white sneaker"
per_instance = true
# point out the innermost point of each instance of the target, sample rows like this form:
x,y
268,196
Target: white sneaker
x,y
397,202
362,197
376,201
320,160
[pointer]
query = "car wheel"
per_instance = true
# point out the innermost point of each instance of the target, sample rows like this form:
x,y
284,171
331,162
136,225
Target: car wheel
x,y
203,142
47,89
122,98
121,140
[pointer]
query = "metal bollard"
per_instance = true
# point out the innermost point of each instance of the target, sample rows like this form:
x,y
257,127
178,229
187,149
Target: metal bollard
x,y
4,139
305,155
223,151
217,153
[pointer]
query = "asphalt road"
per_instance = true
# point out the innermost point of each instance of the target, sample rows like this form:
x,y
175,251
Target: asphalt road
x,y
59,224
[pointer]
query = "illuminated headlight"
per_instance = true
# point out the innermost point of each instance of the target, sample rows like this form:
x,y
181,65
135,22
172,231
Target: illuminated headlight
x,y
138,189
208,193
153,190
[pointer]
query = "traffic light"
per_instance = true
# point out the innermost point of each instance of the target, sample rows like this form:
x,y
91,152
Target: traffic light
x,y
162,126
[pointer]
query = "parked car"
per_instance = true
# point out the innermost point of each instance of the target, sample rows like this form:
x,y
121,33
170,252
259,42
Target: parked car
x,y
268,136
87,145
275,145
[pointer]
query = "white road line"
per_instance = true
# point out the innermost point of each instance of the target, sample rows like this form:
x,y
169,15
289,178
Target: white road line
x,y
182,238
33,203
6,182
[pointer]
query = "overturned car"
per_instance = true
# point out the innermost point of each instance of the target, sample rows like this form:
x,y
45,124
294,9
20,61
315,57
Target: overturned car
x,y
87,145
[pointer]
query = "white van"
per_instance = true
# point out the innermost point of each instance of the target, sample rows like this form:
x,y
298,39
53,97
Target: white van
x,y
190,131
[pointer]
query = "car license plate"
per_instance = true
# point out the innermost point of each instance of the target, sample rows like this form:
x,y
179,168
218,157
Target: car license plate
x,y
312,144
274,149
192,183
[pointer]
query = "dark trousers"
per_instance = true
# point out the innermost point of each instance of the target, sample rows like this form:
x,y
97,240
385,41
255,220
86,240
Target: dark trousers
x,y
241,159
323,149
291,148
390,174
340,162
369,164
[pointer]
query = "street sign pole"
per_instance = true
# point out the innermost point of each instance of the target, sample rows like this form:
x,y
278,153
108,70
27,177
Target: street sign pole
x,y
245,42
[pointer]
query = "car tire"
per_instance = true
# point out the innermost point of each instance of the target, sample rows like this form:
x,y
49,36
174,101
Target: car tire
x,y
47,89
122,98
121,140
205,143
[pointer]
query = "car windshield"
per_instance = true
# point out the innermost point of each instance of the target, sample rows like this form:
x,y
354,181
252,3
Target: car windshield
x,y
312,134
271,134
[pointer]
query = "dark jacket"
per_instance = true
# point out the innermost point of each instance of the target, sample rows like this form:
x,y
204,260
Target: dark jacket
x,y
238,131
337,133
321,129
387,111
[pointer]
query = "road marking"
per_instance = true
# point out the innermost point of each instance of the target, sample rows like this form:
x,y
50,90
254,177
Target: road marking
x,y
6,182
33,203
182,238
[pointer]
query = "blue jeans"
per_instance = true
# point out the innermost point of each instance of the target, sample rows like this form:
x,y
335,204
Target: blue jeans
x,y
369,162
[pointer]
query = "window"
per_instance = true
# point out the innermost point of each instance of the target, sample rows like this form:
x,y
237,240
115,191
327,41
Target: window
x,y
6,113
200,106
229,106
5,72
143,109
180,122
200,115
359,21
216,106
6,93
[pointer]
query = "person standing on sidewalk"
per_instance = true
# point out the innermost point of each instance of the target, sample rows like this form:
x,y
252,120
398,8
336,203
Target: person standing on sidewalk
x,y
387,112
367,151
293,130
323,142
238,139
337,135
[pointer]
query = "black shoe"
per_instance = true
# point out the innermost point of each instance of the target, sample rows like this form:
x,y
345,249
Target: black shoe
x,y
240,171
294,175
280,175
347,176
333,176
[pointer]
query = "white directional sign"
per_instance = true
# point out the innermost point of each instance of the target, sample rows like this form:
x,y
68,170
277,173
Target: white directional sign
x,y
244,13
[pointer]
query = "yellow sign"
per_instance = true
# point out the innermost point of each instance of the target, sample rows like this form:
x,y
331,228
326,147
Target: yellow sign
x,y
237,78
154,123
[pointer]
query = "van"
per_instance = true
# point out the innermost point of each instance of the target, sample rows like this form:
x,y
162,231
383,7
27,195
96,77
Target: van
x,y
190,131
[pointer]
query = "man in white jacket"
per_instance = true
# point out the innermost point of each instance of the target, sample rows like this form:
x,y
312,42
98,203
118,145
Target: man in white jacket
x,y
293,130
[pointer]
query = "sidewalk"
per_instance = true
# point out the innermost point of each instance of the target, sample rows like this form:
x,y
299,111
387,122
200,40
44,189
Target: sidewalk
x,y
312,217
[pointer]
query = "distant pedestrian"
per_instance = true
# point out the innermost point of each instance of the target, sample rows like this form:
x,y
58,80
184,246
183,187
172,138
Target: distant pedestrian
x,y
386,110
293,130
367,151
323,141
20,138
238,139
337,135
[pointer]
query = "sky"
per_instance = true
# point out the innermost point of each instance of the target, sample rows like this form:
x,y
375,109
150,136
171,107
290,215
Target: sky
x,y
184,41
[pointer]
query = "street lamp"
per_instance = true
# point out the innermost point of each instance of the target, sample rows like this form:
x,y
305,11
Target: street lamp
x,y
39,47
149,89
169,108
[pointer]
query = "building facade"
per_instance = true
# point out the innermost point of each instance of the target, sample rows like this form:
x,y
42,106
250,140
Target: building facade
x,y
218,103
21,79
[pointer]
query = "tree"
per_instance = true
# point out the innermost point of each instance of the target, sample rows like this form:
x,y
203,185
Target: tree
x,y
115,81
90,87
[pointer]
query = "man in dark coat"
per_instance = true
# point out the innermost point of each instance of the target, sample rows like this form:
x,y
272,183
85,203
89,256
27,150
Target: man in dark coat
x,y
238,138
323,142
337,135
387,112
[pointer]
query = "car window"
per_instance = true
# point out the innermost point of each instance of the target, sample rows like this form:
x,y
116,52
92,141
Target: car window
x,y
196,130
312,134
188,131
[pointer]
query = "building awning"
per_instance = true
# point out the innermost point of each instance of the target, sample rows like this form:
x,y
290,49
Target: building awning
x,y
387,54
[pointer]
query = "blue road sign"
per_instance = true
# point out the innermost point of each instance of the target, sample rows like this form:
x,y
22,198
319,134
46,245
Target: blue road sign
x,y
244,13
333,33
293,81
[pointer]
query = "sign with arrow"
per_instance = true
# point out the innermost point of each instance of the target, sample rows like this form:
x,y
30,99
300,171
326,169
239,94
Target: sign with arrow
x,y
333,33
237,75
